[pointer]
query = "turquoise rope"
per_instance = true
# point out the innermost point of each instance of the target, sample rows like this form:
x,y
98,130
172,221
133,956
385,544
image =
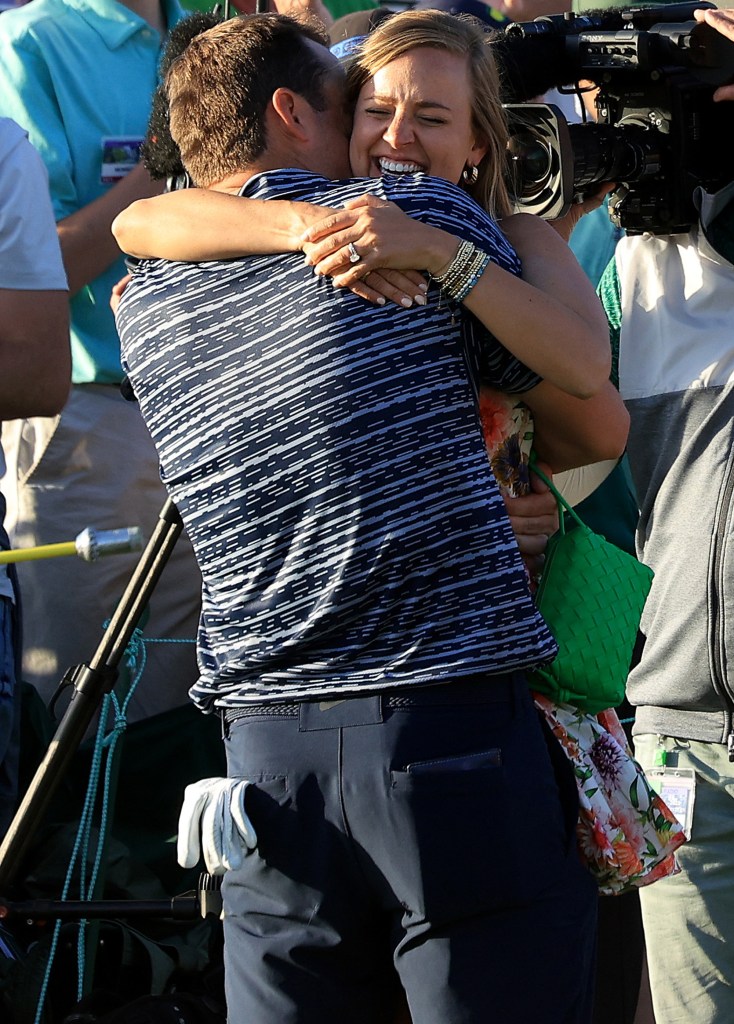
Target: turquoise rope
x,y
108,743
81,840
104,747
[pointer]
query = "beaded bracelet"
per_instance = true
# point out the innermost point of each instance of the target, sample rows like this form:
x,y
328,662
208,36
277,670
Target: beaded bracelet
x,y
463,271
457,264
474,273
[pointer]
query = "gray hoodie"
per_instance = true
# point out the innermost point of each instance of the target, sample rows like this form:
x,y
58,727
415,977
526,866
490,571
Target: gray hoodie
x,y
676,375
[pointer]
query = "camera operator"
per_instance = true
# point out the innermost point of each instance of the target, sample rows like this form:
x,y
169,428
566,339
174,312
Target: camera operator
x,y
669,299
34,378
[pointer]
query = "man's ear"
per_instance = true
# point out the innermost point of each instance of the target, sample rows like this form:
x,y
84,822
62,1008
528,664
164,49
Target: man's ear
x,y
291,110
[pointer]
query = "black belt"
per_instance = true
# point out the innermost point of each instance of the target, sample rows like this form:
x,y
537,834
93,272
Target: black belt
x,y
469,690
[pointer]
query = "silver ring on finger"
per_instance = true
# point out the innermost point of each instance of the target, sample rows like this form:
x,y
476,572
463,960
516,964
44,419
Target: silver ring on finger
x,y
354,256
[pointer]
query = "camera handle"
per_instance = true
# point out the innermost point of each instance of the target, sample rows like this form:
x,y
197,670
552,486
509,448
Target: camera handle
x,y
91,682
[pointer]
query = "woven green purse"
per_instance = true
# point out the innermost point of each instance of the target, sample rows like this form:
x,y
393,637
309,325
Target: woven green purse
x,y
591,595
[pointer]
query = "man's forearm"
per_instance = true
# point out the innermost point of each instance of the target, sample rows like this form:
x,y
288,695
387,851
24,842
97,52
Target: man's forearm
x,y
35,361
314,8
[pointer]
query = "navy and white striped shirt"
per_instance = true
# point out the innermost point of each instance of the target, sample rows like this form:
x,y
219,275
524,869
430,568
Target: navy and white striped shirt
x,y
326,459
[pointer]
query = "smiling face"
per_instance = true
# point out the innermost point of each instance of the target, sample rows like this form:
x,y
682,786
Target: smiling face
x,y
415,115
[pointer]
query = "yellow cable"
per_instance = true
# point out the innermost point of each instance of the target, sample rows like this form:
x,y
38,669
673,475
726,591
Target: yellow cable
x,y
44,551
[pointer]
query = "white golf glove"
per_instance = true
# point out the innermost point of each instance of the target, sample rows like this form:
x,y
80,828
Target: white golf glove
x,y
214,809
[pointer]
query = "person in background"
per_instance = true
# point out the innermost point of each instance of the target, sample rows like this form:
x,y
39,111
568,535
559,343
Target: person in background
x,y
669,300
78,76
35,366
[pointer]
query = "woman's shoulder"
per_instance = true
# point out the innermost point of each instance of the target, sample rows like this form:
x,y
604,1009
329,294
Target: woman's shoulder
x,y
527,224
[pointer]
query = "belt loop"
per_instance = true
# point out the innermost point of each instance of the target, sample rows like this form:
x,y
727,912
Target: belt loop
x,y
225,724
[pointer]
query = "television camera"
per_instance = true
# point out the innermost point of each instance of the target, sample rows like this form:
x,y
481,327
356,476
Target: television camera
x,y
658,134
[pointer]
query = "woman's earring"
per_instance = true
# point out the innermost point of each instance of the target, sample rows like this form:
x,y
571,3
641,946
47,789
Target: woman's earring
x,y
470,174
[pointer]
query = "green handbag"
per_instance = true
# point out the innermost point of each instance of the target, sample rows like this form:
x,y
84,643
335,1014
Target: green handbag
x,y
591,595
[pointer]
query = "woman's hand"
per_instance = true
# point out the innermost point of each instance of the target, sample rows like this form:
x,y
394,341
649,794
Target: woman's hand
x,y
385,238
117,290
533,518
404,288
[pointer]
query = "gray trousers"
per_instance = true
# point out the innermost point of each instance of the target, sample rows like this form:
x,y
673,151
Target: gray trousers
x,y
689,919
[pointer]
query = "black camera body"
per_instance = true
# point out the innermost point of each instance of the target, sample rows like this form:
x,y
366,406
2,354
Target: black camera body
x,y
658,133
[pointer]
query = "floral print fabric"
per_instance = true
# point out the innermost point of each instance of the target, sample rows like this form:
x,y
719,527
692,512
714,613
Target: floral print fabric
x,y
508,433
627,835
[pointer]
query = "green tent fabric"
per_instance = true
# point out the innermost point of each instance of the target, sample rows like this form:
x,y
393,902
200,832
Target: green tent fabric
x,y
158,758
339,8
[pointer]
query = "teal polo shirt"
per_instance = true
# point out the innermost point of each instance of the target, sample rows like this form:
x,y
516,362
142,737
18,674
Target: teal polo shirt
x,y
79,76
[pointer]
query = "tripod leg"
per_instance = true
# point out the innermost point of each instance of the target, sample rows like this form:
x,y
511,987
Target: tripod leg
x,y
91,682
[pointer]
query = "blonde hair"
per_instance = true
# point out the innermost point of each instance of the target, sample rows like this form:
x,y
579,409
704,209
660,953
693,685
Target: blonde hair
x,y
467,37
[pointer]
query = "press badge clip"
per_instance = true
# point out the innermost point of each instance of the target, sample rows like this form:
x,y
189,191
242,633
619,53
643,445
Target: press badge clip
x,y
119,155
677,787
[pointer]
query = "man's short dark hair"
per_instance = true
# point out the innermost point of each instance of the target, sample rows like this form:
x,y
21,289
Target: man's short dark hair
x,y
159,152
219,88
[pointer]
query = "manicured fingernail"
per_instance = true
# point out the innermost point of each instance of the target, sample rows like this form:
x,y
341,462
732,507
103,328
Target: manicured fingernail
x,y
423,286
420,300
406,302
381,300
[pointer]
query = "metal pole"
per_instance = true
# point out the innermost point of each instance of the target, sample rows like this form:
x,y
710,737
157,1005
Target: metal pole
x,y
90,683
